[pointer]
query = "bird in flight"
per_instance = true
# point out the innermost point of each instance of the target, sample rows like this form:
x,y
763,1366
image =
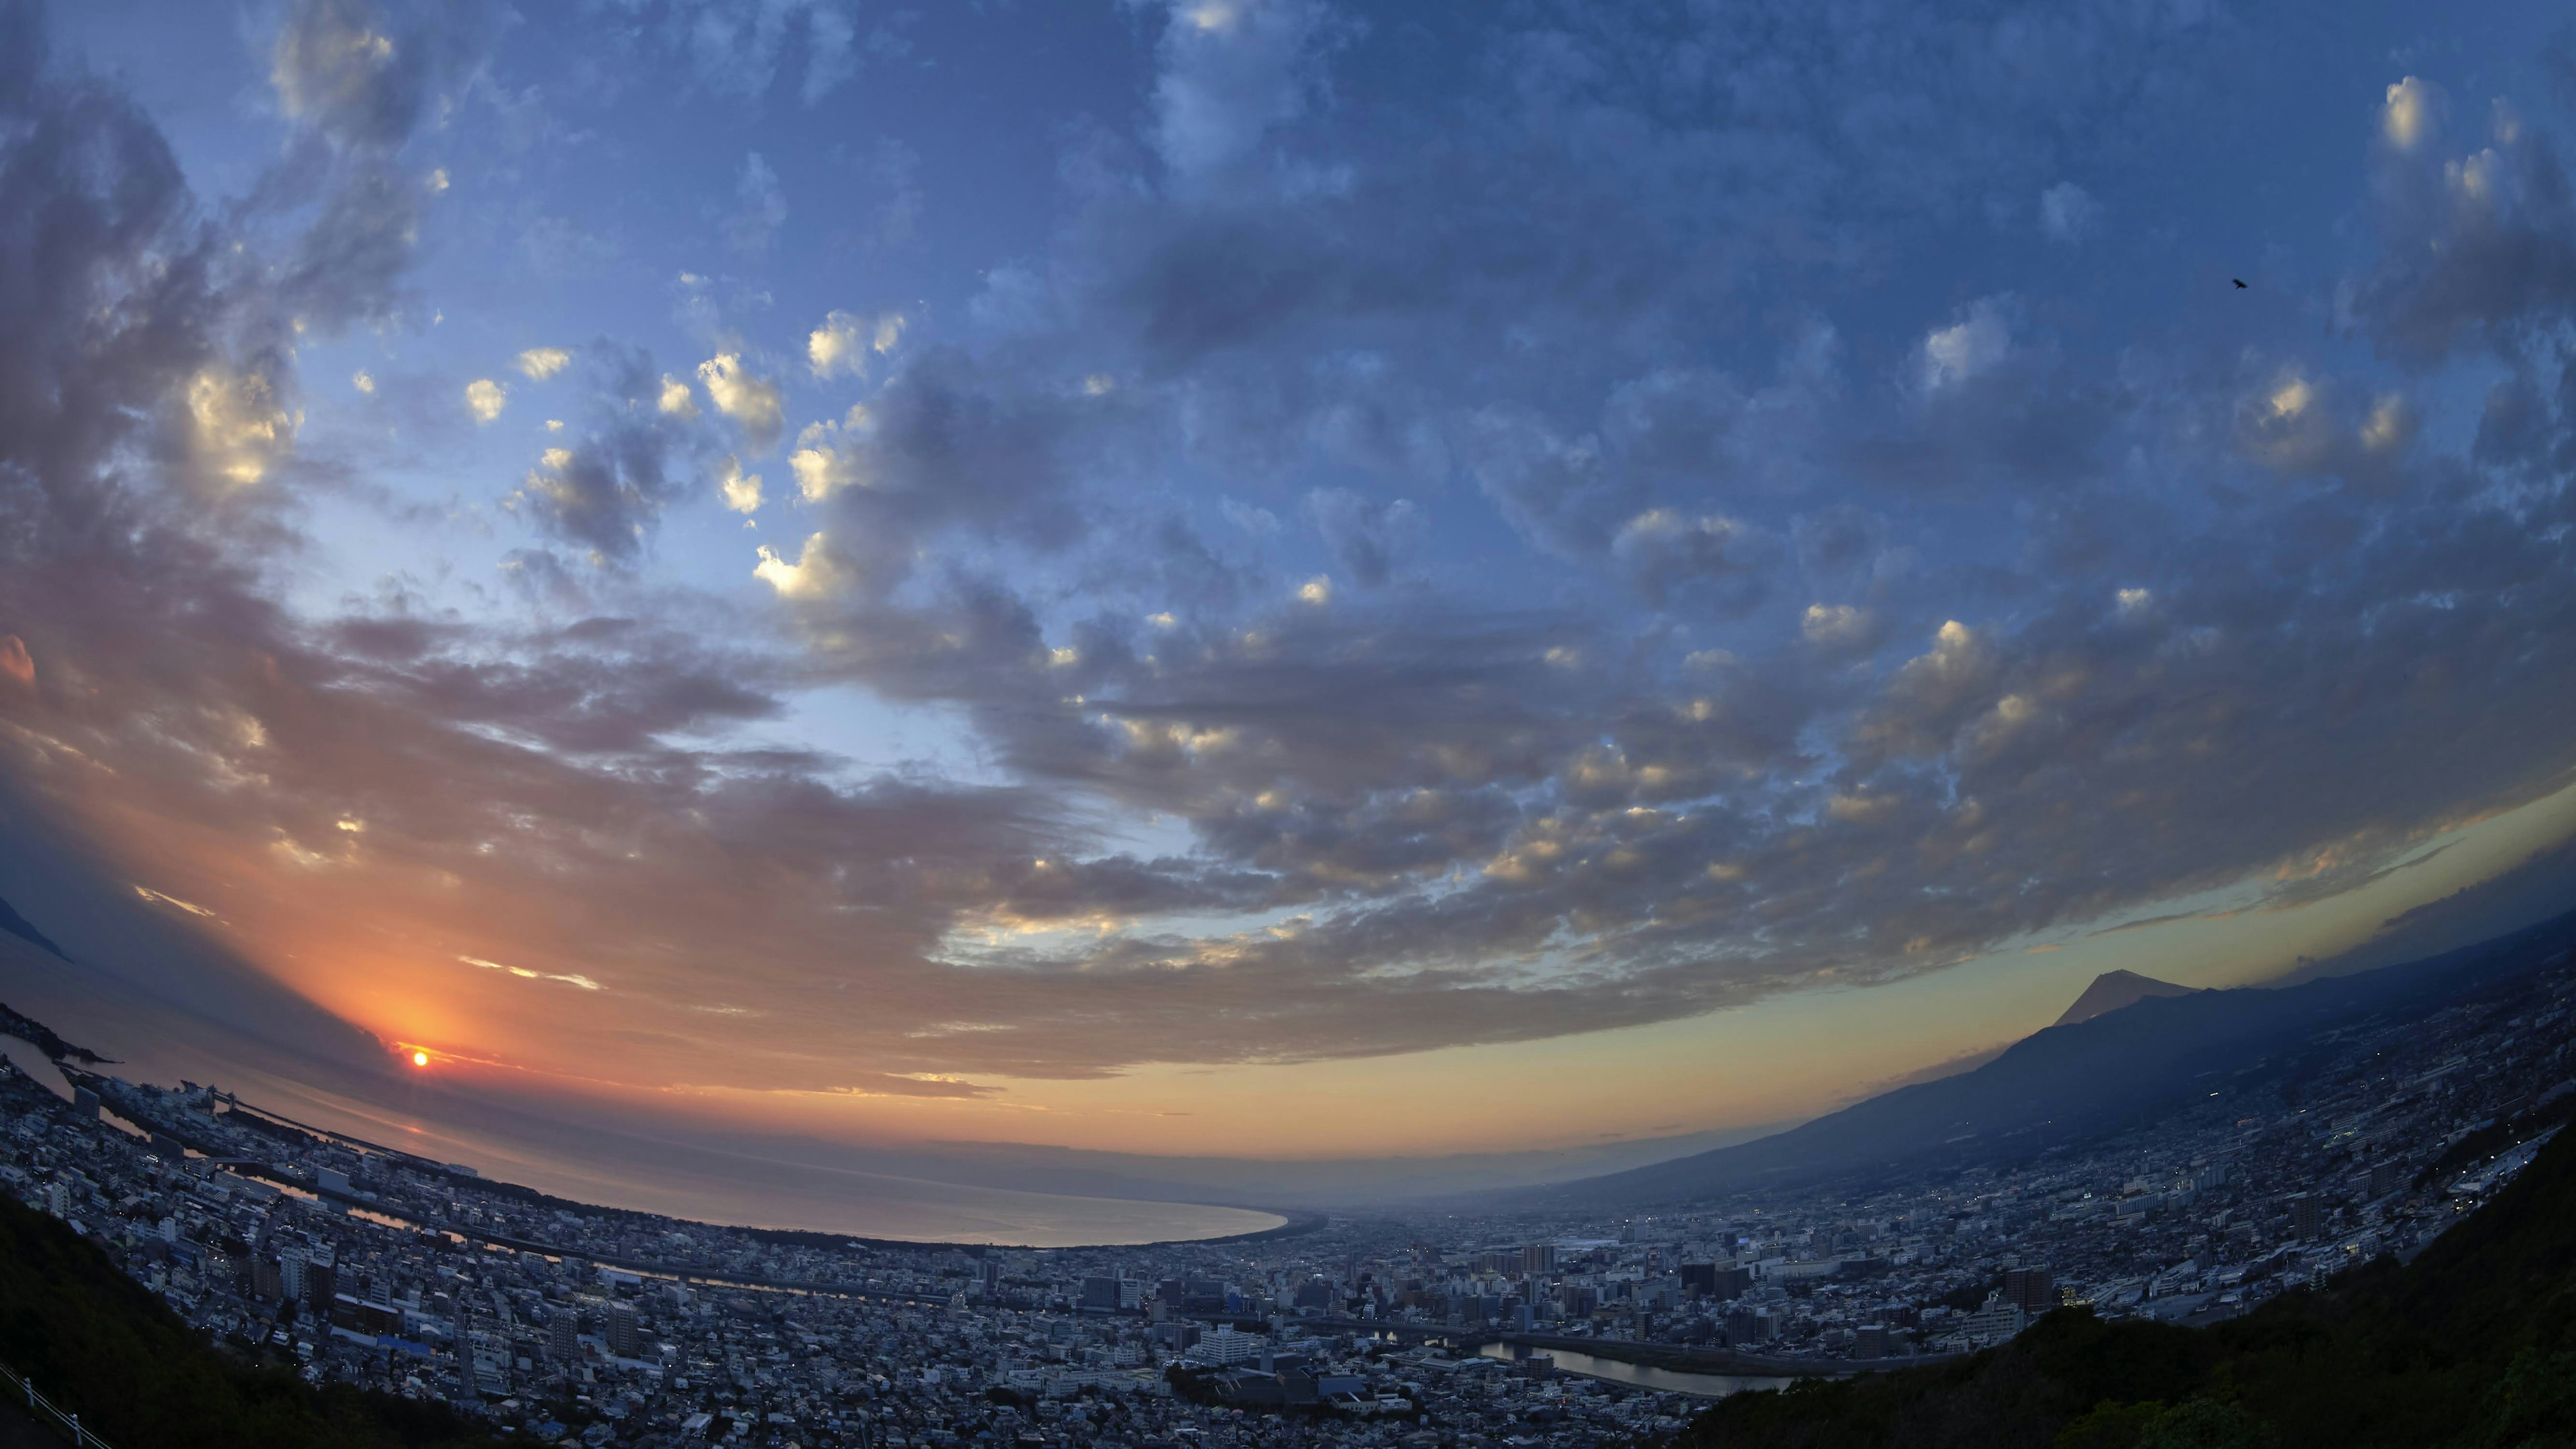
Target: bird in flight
x,y
2239,281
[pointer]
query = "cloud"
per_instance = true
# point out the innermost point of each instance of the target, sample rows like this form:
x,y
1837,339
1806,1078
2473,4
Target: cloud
x,y
2408,118
567,978
675,399
2068,213
818,572
1838,627
843,345
1230,70
1620,749
540,363
760,208
485,398
752,402
354,72
241,429
741,490
1713,561
1369,537
1967,348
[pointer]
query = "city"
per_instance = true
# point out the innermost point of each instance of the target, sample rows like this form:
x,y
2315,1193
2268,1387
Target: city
x,y
564,1323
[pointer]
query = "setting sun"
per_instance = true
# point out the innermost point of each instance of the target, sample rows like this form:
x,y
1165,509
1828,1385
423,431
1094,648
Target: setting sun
x,y
420,1059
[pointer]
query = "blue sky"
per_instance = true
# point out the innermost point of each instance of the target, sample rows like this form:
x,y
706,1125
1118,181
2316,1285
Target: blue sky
x,y
940,562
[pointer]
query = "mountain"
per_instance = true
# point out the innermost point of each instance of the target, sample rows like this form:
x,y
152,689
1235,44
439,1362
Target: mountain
x,y
25,930
2472,1344
2115,989
2071,1083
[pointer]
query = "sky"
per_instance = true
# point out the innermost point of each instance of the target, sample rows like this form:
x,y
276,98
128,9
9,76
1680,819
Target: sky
x,y
1260,578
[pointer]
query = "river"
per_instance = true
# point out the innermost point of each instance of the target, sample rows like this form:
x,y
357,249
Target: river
x,y
1668,1381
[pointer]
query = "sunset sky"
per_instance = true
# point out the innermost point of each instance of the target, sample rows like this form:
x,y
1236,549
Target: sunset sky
x,y
1260,577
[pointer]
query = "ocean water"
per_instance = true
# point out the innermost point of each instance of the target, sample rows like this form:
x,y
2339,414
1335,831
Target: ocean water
x,y
769,1186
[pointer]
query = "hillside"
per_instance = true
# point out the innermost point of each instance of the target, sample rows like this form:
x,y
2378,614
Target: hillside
x,y
100,1344
2073,1083
2472,1344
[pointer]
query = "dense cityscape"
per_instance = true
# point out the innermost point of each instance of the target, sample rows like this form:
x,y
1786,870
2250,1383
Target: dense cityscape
x,y
565,1323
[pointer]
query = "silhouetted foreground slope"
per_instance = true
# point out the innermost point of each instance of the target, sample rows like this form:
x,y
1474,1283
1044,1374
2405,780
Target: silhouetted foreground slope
x,y
2473,1344
98,1343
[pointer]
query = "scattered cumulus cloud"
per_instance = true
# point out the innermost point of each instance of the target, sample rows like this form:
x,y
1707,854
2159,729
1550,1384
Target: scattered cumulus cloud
x,y
845,343
485,398
741,490
752,402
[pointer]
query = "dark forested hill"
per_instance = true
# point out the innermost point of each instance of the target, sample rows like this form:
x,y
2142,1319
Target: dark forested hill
x,y
99,1344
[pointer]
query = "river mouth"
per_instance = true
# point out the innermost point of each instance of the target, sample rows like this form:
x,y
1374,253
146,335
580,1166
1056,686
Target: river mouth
x,y
27,1057
1637,1376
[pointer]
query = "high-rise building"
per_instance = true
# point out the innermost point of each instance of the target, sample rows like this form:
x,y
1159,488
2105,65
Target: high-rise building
x,y
58,1199
2032,1290
2387,1178
321,1280
1538,1258
563,1336
623,1340
2307,1215
1099,1295
292,1282
1747,1326
1870,1341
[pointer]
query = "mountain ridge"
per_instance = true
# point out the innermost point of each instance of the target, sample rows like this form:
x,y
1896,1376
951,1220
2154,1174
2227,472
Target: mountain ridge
x,y
2065,1084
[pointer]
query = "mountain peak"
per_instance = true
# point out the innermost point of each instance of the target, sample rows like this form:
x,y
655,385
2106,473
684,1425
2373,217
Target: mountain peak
x,y
2115,989
25,930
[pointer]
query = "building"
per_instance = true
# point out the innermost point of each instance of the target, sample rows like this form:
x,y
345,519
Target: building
x,y
1748,1326
1870,1341
1538,1258
2032,1290
1226,1347
1099,1295
2307,1215
292,1282
321,1280
2387,1178
623,1340
1713,1280
563,1337
1995,1322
